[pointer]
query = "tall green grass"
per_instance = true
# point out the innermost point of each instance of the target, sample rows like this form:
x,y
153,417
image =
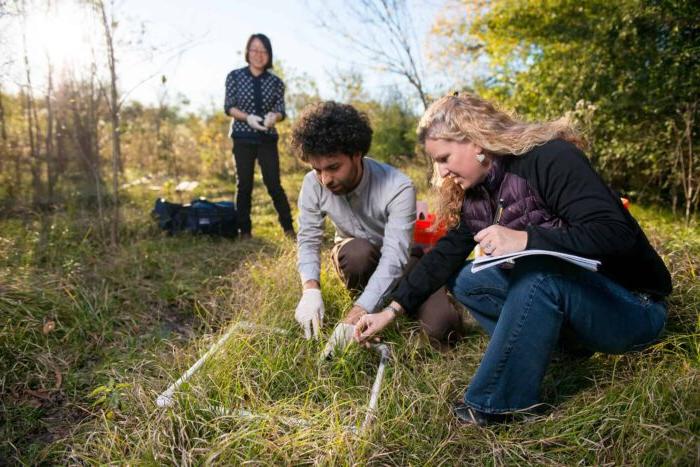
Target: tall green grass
x,y
128,321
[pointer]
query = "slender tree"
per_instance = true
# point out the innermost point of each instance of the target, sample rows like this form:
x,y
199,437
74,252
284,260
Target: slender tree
x,y
388,38
686,166
49,139
109,24
3,133
31,118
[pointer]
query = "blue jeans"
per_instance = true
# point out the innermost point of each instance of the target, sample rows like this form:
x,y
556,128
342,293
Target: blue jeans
x,y
524,310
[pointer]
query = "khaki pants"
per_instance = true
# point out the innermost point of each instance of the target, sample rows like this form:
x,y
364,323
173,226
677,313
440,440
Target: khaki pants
x,y
355,259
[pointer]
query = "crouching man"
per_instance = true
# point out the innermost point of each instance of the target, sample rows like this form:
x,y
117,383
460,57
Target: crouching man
x,y
373,209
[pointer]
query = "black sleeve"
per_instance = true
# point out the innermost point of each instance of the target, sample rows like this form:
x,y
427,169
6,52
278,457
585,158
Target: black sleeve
x,y
230,93
434,269
572,190
279,100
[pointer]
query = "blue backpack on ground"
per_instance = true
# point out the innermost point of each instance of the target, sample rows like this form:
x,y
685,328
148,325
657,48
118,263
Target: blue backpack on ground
x,y
198,217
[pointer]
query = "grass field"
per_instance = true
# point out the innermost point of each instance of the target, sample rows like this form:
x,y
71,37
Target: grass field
x,y
90,335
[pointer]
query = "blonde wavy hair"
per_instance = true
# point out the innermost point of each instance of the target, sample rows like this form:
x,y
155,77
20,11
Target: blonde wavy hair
x,y
468,118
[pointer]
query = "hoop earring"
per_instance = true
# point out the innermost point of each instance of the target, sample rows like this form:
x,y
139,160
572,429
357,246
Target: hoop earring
x,y
480,157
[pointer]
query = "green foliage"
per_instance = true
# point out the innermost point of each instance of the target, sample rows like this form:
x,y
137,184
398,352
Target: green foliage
x,y
394,132
393,122
628,70
109,395
394,129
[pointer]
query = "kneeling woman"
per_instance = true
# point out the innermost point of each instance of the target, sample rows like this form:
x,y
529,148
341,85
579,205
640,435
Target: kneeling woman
x,y
547,196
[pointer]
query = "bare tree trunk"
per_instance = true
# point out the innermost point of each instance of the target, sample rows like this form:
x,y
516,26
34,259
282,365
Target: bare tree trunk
x,y
50,156
3,135
94,104
32,126
692,177
31,115
37,160
114,105
674,200
685,159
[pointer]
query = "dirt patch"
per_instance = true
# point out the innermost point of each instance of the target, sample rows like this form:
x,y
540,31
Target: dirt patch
x,y
174,320
57,417
59,422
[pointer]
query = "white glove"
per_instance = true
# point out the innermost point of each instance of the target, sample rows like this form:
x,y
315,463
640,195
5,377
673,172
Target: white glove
x,y
309,312
255,122
340,339
270,119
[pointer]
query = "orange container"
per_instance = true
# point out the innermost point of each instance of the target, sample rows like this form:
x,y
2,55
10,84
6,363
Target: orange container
x,y
425,235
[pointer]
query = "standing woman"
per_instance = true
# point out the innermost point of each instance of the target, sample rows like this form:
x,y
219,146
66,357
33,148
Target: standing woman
x,y
255,100
509,186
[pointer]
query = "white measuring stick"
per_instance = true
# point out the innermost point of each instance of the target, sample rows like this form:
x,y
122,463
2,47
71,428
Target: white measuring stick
x,y
384,354
165,399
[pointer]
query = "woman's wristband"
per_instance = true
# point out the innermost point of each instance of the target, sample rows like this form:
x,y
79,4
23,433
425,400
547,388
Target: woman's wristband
x,y
397,310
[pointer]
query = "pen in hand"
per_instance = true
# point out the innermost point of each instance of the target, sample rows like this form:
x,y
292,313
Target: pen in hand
x,y
478,250
499,212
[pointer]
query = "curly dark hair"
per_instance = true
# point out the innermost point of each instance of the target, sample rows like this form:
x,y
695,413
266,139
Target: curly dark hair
x,y
331,128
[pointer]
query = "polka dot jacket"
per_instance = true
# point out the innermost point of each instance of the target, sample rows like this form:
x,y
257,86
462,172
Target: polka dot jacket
x,y
253,94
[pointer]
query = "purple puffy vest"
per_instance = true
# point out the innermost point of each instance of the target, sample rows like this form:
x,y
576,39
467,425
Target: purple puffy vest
x,y
522,206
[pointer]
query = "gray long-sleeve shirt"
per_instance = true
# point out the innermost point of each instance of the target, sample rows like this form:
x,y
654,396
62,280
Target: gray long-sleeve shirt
x,y
381,209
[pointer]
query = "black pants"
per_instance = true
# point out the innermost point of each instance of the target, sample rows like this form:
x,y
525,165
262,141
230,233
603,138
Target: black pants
x,y
266,153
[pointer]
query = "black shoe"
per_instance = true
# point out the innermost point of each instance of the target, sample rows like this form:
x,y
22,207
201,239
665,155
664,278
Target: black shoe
x,y
471,416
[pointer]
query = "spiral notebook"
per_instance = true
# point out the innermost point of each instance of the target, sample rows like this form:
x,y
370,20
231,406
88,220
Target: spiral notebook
x,y
484,262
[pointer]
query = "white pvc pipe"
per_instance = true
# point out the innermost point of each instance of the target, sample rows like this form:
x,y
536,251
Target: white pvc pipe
x,y
165,399
384,354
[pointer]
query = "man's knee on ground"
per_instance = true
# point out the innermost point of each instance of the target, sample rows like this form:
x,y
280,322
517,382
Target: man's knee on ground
x,y
357,260
447,332
441,320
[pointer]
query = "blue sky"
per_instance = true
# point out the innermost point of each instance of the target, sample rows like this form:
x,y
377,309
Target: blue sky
x,y
196,43
220,29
